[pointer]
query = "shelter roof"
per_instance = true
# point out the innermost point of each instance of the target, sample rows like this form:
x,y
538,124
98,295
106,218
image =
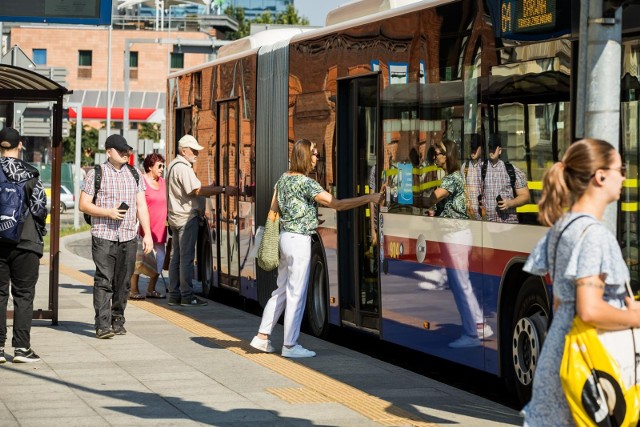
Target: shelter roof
x,y
21,84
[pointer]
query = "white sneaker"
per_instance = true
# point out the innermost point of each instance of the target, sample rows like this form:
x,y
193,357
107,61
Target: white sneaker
x,y
433,280
297,351
262,345
485,331
465,341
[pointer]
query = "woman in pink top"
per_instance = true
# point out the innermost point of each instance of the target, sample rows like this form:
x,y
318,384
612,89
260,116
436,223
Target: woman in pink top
x,y
156,196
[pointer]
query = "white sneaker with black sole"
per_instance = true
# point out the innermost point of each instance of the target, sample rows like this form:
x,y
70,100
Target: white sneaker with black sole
x,y
25,355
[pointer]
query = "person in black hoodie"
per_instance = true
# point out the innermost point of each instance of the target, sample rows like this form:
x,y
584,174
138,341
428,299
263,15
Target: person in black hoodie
x,y
19,261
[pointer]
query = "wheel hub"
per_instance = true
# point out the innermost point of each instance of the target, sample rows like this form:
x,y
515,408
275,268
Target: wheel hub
x,y
526,349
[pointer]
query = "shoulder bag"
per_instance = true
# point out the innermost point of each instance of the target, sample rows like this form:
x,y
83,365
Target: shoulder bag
x,y
269,250
598,372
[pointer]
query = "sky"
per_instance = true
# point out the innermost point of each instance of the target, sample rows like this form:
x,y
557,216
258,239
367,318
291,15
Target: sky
x,y
316,10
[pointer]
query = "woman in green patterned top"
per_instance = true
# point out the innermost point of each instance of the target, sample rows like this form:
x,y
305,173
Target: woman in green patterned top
x,y
449,198
450,202
297,196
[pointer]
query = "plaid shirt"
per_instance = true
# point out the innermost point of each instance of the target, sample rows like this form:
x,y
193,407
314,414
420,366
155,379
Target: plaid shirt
x,y
473,181
117,186
497,182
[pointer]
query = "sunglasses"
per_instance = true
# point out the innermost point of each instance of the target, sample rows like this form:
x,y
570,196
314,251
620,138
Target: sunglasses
x,y
160,166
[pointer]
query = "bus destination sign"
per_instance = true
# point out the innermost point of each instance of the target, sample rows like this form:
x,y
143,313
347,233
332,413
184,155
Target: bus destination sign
x,y
527,16
532,19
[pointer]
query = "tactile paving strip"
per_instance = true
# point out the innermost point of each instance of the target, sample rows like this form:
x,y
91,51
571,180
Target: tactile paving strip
x,y
315,384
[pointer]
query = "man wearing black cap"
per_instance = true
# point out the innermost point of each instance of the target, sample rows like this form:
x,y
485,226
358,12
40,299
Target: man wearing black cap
x,y
119,201
19,260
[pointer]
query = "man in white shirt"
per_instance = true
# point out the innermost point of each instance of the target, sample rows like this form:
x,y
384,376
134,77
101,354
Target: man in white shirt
x,y
185,205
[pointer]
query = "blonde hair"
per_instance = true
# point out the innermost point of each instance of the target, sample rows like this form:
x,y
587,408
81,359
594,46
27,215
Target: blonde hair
x,y
566,181
301,157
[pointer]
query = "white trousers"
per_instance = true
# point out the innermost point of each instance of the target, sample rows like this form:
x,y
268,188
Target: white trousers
x,y
291,294
456,250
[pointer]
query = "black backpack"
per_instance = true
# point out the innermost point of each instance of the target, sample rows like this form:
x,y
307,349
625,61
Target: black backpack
x,y
98,182
510,171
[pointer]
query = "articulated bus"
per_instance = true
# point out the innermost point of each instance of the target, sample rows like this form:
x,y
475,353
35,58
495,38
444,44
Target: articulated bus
x,y
375,89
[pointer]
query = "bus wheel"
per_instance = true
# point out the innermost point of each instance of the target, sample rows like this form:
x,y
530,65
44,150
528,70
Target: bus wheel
x,y
205,267
530,323
317,309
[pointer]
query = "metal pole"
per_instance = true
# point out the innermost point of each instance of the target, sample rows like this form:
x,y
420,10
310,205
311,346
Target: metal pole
x,y
78,169
603,71
581,90
125,119
109,85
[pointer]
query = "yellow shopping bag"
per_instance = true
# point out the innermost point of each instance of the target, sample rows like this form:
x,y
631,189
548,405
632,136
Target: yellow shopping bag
x,y
598,392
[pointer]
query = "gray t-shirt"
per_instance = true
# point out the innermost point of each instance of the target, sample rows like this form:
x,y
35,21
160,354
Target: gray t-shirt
x,y
581,253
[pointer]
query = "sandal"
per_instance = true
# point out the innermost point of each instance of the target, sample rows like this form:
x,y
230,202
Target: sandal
x,y
136,297
154,294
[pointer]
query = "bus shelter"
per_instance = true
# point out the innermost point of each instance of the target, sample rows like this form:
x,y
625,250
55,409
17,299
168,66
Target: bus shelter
x,y
20,85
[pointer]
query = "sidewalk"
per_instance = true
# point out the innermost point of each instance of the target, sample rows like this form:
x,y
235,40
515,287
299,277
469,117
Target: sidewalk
x,y
193,366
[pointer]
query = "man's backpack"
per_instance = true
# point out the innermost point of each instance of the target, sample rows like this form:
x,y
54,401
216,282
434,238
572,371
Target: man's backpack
x,y
13,209
510,171
97,180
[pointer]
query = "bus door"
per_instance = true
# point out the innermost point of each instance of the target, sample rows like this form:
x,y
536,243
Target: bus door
x,y
228,149
357,174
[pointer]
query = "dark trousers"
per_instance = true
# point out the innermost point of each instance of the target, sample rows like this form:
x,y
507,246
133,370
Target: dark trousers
x,y
19,269
115,262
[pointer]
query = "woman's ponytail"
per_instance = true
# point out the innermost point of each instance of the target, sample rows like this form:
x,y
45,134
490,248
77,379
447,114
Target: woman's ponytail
x,y
555,197
566,181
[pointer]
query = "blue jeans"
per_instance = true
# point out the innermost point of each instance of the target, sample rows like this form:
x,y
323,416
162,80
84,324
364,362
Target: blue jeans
x,y
115,262
183,254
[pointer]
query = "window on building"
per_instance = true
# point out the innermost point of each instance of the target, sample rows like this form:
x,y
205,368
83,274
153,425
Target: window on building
x,y
177,61
133,65
85,61
40,56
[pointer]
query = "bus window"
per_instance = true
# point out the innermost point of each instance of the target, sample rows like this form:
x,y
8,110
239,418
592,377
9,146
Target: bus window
x,y
527,95
630,114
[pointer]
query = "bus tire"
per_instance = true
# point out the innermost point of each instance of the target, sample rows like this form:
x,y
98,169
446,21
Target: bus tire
x,y
317,312
205,265
530,322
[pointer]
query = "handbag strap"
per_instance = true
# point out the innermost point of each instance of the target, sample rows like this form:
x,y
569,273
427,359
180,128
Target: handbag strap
x,y
274,200
555,252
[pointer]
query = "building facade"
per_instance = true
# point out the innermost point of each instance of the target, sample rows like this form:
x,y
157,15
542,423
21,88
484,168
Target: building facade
x,y
255,8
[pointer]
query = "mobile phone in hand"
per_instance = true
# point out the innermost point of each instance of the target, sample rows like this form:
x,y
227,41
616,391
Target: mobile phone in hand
x,y
123,206
498,198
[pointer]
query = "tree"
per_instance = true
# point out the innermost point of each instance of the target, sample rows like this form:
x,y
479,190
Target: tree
x,y
89,145
149,131
237,13
288,17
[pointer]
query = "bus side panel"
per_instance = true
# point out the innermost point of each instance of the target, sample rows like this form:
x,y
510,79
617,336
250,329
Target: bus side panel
x,y
328,233
419,305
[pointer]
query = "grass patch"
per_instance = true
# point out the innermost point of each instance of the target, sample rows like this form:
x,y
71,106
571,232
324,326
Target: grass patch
x,y
64,231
